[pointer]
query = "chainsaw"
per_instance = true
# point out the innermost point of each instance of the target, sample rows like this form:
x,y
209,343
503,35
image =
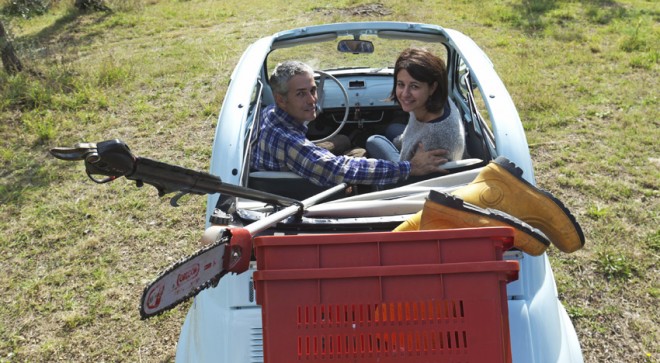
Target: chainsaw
x,y
229,249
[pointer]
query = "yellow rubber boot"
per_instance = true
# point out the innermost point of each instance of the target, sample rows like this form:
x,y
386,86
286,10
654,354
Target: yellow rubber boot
x,y
444,211
500,186
411,224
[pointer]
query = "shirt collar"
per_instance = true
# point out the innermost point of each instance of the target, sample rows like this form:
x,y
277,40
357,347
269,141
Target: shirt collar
x,y
288,120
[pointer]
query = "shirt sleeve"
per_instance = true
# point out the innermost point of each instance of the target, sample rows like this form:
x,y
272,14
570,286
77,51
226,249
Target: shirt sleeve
x,y
324,168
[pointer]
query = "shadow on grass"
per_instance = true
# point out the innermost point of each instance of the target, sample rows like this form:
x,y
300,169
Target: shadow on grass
x,y
64,32
32,172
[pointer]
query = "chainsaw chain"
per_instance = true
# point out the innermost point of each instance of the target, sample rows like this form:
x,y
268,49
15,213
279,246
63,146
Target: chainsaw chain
x,y
224,240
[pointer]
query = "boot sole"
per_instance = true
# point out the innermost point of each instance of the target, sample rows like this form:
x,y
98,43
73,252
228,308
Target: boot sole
x,y
454,202
517,172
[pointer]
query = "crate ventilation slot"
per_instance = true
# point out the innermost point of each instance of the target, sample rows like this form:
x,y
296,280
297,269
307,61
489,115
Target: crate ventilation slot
x,y
384,329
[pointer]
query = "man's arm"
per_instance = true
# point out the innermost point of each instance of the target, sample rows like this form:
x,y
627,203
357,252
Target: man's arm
x,y
323,168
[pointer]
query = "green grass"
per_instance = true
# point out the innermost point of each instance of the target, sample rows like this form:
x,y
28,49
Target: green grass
x,y
75,255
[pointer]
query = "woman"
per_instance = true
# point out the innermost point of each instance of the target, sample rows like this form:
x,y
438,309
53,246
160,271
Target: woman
x,y
421,88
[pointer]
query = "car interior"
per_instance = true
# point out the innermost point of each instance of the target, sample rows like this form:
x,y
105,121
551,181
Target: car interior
x,y
355,102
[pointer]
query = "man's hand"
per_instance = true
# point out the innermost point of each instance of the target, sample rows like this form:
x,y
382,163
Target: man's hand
x,y
426,162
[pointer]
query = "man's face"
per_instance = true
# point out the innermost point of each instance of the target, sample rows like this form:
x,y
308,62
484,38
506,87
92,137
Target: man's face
x,y
300,101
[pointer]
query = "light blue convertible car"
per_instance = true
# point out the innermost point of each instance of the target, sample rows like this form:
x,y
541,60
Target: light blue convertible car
x,y
354,64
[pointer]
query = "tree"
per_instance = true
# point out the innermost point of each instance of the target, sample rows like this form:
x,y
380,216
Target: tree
x,y
9,58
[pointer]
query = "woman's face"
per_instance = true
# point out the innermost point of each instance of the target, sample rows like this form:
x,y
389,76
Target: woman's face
x,y
412,94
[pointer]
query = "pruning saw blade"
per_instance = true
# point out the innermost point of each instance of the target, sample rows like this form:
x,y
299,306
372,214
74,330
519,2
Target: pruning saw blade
x,y
186,278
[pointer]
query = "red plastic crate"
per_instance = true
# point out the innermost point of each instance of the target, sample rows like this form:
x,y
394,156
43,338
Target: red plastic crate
x,y
422,296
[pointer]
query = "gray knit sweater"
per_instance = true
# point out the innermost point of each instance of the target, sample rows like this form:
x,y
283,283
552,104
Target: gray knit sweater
x,y
446,132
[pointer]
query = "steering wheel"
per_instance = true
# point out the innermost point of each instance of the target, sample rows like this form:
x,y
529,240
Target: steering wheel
x,y
321,97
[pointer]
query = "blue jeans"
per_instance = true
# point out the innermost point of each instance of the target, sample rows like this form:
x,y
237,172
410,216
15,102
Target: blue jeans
x,y
381,147
394,130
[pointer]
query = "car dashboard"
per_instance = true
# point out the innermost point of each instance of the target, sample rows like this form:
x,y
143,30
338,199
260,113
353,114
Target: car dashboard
x,y
365,89
370,108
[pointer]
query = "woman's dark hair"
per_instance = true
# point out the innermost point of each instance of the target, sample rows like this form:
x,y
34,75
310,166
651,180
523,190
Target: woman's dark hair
x,y
426,67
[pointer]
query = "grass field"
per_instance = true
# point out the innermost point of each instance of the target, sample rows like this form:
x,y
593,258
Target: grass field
x,y
75,256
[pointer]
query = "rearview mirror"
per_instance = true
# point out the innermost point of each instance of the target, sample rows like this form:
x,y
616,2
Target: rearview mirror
x,y
355,46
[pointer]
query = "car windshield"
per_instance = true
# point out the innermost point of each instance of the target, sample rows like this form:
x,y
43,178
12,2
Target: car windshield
x,y
325,56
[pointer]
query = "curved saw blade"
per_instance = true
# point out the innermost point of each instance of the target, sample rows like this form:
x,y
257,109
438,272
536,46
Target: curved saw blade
x,y
185,279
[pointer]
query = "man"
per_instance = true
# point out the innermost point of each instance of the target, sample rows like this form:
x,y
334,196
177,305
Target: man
x,y
283,146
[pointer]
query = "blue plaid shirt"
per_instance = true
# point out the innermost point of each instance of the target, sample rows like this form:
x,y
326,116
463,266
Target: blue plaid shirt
x,y
283,146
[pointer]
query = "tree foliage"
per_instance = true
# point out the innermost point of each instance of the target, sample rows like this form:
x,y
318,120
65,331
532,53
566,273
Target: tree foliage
x,y
26,8
93,5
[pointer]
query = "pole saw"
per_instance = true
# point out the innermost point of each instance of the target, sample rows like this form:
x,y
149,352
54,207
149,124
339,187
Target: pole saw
x,y
230,249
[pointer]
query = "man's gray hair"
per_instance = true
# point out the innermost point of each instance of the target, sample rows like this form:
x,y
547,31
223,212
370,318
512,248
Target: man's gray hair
x,y
284,72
